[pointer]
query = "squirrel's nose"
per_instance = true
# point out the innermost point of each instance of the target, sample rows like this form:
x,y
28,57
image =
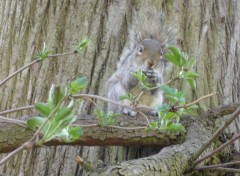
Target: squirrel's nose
x,y
150,64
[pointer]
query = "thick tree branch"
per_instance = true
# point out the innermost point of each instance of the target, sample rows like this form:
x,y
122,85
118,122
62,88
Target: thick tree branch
x,y
214,136
127,131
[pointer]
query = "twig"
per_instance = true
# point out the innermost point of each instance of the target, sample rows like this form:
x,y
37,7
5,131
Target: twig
x,y
14,121
100,98
166,83
16,109
31,63
95,104
218,149
62,54
196,101
221,169
18,71
144,117
217,165
214,136
19,149
110,101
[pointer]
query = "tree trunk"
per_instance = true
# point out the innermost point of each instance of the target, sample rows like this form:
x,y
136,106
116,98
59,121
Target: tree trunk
x,y
207,30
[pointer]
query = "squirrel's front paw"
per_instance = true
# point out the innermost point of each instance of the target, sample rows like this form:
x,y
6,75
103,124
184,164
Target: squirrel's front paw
x,y
152,76
129,112
153,113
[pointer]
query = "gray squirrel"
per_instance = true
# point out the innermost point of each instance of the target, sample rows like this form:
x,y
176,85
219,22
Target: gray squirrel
x,y
148,40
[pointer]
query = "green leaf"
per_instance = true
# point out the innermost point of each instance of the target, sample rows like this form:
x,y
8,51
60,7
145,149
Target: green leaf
x,y
43,109
82,44
172,58
169,123
57,127
75,132
176,127
191,108
42,55
169,116
192,83
192,74
180,97
62,113
184,59
56,95
71,104
168,90
35,122
163,108
191,62
124,97
77,85
153,124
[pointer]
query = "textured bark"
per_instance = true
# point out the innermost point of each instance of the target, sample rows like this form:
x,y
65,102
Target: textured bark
x,y
208,30
132,132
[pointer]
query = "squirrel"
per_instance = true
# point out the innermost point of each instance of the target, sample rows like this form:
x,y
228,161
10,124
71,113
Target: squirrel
x,y
148,41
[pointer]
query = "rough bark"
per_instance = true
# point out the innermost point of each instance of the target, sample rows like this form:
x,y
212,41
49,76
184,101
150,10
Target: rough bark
x,y
132,132
208,30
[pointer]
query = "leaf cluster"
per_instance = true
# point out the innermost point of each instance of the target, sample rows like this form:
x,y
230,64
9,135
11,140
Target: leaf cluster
x,y
184,64
104,118
56,117
169,118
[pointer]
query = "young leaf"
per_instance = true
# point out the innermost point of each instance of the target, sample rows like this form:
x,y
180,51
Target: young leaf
x,y
168,90
82,44
124,97
44,53
43,109
35,122
176,127
77,85
180,97
192,83
190,64
62,113
192,74
56,95
75,132
169,116
172,58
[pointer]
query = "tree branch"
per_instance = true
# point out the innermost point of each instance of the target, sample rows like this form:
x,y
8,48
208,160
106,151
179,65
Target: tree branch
x,y
218,149
214,136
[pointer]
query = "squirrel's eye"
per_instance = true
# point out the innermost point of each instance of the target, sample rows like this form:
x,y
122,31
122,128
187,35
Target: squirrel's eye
x,y
140,50
161,54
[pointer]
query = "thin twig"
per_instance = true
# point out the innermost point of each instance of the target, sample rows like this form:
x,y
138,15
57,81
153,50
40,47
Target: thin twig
x,y
31,63
214,136
196,101
166,83
218,149
18,71
17,109
62,54
19,149
13,121
110,101
144,117
217,165
221,169
100,98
